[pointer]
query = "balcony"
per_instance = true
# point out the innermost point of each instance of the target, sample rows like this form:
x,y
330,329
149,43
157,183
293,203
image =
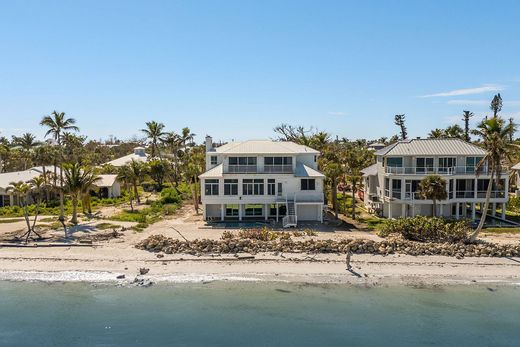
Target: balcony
x,y
241,169
278,169
455,170
468,194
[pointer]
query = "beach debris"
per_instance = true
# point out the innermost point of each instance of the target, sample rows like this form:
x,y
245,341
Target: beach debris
x,y
142,282
143,271
120,277
160,255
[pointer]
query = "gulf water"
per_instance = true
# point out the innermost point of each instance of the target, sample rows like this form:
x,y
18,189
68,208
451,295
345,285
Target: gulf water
x,y
256,314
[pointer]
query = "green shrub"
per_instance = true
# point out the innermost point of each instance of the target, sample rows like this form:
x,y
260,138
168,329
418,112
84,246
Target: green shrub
x,y
427,229
170,196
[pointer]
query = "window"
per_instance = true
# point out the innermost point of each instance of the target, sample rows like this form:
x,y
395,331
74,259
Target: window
x,y
471,163
424,165
242,164
315,158
253,187
308,184
278,164
396,189
213,160
271,187
242,161
211,187
254,210
231,187
231,210
394,162
447,163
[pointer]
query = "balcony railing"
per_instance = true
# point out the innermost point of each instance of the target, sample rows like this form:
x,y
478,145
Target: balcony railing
x,y
470,194
455,170
254,169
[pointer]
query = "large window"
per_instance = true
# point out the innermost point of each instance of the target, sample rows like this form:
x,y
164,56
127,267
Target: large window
x,y
213,160
394,162
308,184
278,164
271,187
232,210
424,165
211,187
447,164
471,163
253,187
231,187
242,164
254,210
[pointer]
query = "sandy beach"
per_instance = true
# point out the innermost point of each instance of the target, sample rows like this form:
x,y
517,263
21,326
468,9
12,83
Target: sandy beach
x,y
105,260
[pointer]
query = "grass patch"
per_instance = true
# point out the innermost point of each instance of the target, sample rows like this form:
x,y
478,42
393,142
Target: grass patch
x,y
5,221
146,216
373,223
501,230
106,225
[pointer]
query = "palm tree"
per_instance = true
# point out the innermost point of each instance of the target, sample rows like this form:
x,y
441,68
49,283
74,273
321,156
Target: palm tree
x,y
436,134
433,187
193,168
21,191
357,157
38,185
454,131
399,120
57,123
154,132
4,154
494,134
125,175
78,181
466,117
27,143
138,170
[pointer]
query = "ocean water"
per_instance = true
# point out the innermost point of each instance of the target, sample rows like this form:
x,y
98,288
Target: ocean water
x,y
256,314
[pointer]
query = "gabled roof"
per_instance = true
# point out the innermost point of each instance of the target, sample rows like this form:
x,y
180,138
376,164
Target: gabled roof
x,y
419,147
303,170
7,178
264,147
215,172
106,180
370,171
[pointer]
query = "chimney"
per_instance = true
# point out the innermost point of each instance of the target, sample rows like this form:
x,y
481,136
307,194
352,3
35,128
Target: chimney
x,y
209,144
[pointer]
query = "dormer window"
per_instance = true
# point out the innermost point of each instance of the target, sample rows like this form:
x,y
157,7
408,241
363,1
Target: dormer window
x,y
213,160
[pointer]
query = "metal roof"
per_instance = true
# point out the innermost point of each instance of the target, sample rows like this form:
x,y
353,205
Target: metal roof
x,y
303,170
105,180
215,172
127,159
264,147
370,171
417,147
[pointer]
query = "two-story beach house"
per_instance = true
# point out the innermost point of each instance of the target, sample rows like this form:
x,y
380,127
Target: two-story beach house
x,y
262,179
392,184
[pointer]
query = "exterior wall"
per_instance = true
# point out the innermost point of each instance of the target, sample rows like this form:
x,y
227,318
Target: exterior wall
x,y
212,211
115,190
308,212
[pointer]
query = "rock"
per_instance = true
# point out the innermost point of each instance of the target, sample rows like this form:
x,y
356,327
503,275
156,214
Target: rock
x,y
120,277
143,271
160,255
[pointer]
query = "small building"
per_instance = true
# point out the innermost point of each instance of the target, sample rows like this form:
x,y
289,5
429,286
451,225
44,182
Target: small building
x,y
391,186
109,186
262,179
139,154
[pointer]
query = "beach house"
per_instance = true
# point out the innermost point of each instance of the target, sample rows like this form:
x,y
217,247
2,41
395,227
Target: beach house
x,y
392,184
138,154
262,179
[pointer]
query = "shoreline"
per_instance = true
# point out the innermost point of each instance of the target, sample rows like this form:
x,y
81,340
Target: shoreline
x,y
368,270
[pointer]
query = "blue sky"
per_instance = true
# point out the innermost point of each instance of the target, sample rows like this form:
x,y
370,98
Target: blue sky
x,y
235,69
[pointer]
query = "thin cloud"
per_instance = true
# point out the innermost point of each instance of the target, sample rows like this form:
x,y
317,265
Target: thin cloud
x,y
480,102
485,88
337,113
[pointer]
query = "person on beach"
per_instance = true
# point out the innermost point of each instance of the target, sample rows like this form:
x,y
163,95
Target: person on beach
x,y
349,254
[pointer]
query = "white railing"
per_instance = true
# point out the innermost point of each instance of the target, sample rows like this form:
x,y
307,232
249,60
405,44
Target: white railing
x,y
255,169
289,221
278,169
455,170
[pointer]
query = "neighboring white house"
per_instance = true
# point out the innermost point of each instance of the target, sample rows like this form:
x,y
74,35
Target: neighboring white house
x,y
139,154
392,184
262,179
109,186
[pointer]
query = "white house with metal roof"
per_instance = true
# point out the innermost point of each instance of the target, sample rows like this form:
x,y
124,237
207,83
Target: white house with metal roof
x,y
262,179
392,184
139,154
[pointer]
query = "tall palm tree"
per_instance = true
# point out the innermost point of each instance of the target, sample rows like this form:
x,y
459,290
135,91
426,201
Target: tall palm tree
x,y
4,154
27,143
192,170
78,181
21,191
138,170
38,185
57,124
494,134
399,120
357,157
466,117
436,134
154,132
126,176
433,187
